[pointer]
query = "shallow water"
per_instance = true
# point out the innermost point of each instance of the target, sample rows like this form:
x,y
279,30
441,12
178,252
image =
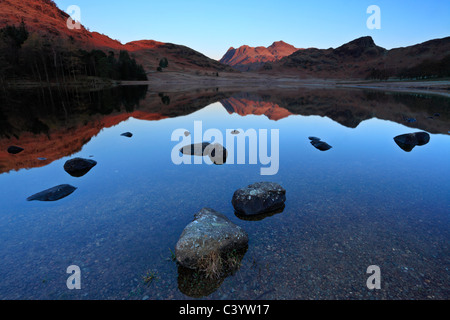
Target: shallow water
x,y
364,202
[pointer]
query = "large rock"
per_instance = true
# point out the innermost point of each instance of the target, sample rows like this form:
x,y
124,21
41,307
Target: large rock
x,y
78,167
216,152
259,198
207,241
408,141
53,194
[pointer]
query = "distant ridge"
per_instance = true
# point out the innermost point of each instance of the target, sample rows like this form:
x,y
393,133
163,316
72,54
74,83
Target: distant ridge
x,y
247,58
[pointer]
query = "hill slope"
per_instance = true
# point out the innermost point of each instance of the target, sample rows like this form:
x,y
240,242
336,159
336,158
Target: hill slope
x,y
45,18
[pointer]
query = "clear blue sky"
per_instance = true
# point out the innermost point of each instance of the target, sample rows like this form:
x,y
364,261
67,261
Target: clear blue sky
x,y
212,26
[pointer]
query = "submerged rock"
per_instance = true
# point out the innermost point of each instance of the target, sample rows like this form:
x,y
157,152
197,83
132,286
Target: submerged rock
x,y
206,243
259,198
408,141
321,145
78,167
314,138
127,134
53,194
15,150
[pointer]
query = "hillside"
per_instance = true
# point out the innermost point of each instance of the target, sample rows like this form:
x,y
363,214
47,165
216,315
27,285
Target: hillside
x,y
45,18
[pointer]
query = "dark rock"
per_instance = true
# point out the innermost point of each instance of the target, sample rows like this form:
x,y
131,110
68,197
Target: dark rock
x,y
53,194
259,198
314,138
127,134
15,150
208,240
216,152
408,141
321,145
78,167
195,149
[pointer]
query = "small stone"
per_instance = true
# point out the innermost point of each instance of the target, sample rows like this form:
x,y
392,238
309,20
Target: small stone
x,y
127,134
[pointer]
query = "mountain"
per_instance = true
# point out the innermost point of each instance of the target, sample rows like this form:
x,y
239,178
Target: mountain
x,y
362,58
45,18
247,58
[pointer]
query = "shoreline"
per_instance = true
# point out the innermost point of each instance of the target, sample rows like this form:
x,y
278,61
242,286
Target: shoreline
x,y
177,81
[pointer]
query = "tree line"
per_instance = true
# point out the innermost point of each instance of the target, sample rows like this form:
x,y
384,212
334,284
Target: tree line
x,y
35,57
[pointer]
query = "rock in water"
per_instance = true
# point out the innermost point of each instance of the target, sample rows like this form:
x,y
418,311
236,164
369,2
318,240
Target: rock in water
x,y
314,138
408,141
53,194
217,153
78,167
208,239
259,198
197,149
15,150
321,145
127,134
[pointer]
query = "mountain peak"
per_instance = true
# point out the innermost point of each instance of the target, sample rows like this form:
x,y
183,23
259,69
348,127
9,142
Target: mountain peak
x,y
247,58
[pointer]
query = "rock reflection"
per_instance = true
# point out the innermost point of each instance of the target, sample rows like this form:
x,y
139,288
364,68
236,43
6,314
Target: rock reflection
x,y
409,141
259,217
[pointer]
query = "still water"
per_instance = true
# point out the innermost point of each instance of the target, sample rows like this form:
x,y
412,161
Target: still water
x,y
363,202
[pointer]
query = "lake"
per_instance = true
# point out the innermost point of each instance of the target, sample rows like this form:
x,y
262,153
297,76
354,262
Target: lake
x,y
364,202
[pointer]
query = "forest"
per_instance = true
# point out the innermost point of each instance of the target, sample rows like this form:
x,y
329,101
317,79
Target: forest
x,y
40,58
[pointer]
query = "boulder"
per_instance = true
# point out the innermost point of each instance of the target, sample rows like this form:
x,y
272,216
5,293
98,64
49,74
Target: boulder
x,y
207,242
78,167
259,198
53,194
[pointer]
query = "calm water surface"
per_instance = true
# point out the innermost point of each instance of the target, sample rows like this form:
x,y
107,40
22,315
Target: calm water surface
x,y
364,202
